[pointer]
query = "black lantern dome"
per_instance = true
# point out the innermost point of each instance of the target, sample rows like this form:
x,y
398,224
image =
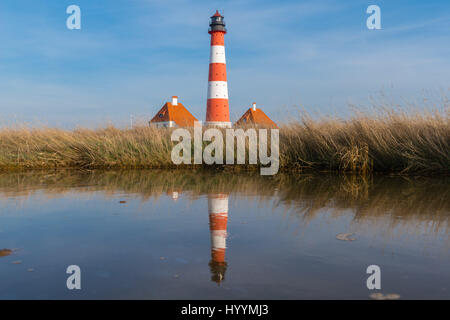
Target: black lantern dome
x,y
217,23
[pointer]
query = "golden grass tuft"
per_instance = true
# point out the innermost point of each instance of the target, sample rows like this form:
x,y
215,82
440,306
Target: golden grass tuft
x,y
388,142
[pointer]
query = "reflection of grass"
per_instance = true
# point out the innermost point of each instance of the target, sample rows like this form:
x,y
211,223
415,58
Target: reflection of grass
x,y
392,142
401,200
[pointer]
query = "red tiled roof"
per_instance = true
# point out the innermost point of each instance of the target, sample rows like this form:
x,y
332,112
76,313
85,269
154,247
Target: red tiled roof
x,y
178,114
257,117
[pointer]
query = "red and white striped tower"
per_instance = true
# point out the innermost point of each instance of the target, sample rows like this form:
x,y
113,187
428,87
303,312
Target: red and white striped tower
x,y
218,218
217,110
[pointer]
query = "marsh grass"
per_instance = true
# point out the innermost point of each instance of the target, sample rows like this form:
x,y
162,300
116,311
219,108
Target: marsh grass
x,y
386,141
84,148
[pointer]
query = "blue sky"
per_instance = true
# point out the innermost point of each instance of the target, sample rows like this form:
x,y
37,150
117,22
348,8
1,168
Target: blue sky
x,y
132,56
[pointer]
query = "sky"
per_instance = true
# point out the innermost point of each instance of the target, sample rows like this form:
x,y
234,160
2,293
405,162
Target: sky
x,y
131,56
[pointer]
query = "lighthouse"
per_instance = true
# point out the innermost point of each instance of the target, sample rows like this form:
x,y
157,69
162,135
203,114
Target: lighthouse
x,y
218,219
217,110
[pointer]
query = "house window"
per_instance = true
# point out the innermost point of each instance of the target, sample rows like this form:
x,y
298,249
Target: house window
x,y
161,115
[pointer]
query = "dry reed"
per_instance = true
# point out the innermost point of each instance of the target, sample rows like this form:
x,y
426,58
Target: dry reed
x,y
387,142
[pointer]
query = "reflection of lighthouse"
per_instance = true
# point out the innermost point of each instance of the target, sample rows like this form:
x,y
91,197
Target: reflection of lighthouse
x,y
174,194
218,217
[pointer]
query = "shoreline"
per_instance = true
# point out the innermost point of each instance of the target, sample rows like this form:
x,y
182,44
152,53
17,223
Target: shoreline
x,y
238,169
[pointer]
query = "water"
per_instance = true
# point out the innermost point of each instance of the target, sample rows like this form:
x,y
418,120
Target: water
x,y
197,235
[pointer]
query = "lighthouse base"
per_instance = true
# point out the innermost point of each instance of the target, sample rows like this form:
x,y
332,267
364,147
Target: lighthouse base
x,y
219,124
